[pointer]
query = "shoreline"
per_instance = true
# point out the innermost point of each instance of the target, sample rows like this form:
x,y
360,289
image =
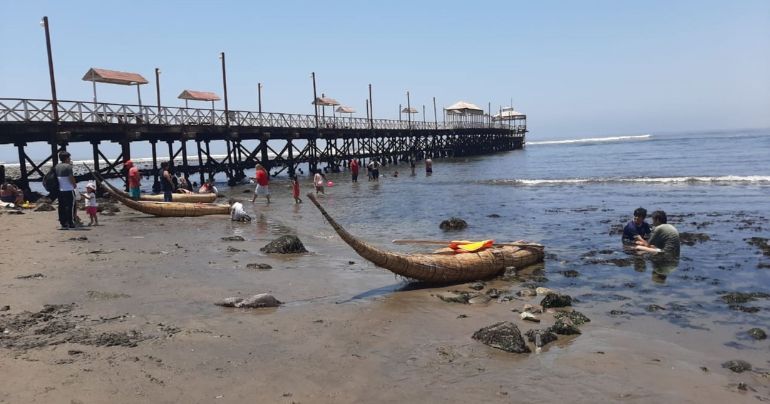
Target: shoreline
x,y
347,332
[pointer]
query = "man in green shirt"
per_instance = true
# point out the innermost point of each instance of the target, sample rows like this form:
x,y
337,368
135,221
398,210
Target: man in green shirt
x,y
664,238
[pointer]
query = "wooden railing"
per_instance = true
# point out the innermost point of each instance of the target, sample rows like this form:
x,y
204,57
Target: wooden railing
x,y
36,110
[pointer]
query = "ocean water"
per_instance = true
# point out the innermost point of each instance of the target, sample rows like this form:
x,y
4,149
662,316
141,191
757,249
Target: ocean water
x,y
574,196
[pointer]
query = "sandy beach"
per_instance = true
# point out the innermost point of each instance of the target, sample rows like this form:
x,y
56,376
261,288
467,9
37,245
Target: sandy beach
x,y
136,323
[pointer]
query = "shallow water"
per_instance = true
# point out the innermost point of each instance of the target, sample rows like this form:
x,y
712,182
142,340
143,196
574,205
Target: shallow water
x,y
573,197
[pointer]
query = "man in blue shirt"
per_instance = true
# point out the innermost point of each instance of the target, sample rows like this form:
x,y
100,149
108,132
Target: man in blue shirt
x,y
637,229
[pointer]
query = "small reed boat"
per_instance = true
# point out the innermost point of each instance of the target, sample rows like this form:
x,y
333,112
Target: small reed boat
x,y
187,198
166,209
441,268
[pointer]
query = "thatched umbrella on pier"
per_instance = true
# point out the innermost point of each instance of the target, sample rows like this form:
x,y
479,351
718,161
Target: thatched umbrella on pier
x,y
96,75
346,110
324,102
188,95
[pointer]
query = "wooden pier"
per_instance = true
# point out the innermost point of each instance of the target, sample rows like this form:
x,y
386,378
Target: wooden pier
x,y
280,142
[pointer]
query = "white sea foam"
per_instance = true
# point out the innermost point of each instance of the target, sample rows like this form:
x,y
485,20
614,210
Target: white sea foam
x,y
726,179
593,140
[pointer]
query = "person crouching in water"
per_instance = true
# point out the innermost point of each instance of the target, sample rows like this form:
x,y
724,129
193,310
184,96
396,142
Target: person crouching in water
x,y
295,189
664,238
91,206
637,229
237,214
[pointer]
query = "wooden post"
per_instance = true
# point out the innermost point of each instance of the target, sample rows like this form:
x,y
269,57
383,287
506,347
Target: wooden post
x,y
125,147
200,161
23,166
154,144
95,154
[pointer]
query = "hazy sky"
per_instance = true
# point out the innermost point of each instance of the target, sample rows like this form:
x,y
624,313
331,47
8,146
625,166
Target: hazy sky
x,y
576,68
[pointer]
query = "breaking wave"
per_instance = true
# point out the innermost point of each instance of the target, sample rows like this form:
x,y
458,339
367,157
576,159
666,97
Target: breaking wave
x,y
593,140
727,179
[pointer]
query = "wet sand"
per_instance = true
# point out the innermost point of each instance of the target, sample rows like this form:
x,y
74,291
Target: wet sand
x,y
142,289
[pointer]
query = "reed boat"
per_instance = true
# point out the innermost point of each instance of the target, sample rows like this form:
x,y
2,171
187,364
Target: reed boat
x,y
166,209
188,198
440,268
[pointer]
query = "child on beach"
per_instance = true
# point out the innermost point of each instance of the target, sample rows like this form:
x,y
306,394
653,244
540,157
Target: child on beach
x,y
91,205
295,189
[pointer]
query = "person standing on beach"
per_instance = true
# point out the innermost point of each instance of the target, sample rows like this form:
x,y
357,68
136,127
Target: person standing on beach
x,y
91,205
637,229
374,169
664,238
428,166
295,189
133,179
263,184
166,182
354,165
67,186
318,181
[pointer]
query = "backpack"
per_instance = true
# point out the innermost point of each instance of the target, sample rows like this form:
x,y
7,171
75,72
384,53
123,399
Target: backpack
x,y
50,181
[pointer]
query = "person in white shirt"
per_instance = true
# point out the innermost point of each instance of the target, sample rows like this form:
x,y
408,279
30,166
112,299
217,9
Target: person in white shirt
x,y
237,214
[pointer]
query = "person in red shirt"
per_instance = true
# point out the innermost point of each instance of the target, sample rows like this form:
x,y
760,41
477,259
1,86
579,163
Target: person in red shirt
x,y
354,169
295,189
263,180
133,179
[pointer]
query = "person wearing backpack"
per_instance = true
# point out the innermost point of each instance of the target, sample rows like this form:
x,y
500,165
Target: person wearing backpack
x,y
67,186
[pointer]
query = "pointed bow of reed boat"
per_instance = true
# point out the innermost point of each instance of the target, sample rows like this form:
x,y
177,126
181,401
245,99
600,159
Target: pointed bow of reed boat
x,y
438,268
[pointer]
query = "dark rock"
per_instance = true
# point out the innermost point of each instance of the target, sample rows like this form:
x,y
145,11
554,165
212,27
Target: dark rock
x,y
233,249
737,365
5,308
493,293
570,273
692,238
546,337
351,262
258,266
233,238
654,307
556,300
31,276
256,301
454,296
618,262
80,238
741,297
563,328
284,245
44,207
757,333
504,335
575,317
745,309
453,223
493,215
617,313
761,243
477,286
